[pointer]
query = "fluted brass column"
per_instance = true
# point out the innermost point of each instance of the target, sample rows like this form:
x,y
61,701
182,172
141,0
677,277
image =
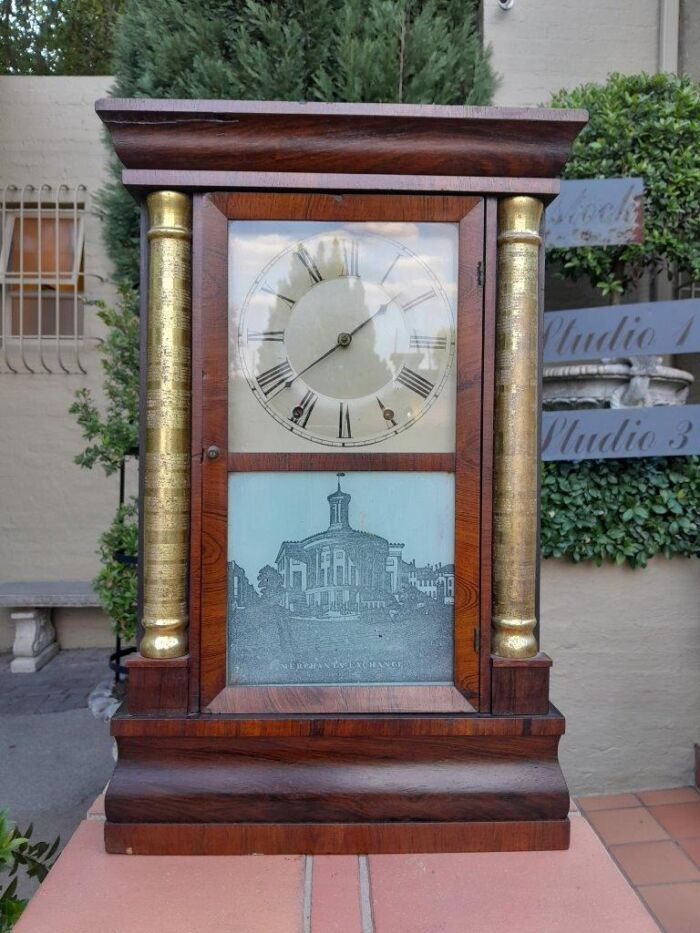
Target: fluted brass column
x,y
166,505
516,444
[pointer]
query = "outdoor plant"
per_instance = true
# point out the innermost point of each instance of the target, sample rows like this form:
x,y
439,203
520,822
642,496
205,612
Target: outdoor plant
x,y
646,126
18,853
621,510
649,126
415,51
57,37
112,435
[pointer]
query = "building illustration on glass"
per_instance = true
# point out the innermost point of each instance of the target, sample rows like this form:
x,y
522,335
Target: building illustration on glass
x,y
343,605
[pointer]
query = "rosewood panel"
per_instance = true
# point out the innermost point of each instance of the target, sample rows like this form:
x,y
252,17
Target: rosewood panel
x,y
334,838
157,686
468,451
341,700
273,136
487,423
140,181
352,726
210,250
520,687
210,259
332,462
331,779
285,205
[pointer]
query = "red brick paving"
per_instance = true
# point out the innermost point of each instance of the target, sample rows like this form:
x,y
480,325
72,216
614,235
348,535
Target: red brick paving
x,y
613,802
634,824
336,894
576,891
664,869
675,906
652,836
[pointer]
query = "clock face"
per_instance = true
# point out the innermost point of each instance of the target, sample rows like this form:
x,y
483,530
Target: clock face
x,y
343,336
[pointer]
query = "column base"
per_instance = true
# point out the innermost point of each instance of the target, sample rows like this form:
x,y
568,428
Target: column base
x,y
520,687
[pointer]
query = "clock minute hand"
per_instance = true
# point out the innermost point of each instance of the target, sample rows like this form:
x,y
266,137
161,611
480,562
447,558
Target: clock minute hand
x,y
370,318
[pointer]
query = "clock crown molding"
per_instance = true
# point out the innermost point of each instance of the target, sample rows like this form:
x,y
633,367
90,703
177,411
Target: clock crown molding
x,y
277,136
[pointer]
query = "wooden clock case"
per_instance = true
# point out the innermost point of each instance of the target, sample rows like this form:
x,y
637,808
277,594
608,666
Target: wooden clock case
x,y
205,768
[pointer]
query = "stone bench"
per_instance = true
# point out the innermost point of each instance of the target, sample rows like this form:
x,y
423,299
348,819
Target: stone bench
x,y
31,605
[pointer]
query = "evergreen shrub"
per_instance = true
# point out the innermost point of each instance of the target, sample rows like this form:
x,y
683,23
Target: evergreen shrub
x,y
649,126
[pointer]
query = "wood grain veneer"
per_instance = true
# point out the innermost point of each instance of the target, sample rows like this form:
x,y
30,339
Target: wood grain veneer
x,y
274,136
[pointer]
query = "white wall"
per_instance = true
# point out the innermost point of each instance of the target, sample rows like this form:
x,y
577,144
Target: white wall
x,y
540,46
626,650
52,511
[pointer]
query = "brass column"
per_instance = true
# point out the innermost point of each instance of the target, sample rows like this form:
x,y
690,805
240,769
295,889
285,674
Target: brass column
x,y
166,506
516,443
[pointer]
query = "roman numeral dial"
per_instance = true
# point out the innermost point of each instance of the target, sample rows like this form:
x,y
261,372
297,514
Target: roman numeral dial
x,y
347,336
415,382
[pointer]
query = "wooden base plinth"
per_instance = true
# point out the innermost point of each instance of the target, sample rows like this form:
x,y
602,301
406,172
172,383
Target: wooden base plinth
x,y
333,838
357,784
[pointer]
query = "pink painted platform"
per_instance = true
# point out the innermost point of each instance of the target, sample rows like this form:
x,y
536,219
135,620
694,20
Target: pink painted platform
x,y
578,891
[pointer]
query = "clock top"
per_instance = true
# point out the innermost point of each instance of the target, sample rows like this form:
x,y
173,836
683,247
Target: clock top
x,y
152,137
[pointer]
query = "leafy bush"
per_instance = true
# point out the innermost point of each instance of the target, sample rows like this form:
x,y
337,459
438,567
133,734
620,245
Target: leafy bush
x,y
648,126
17,852
60,37
116,583
112,436
621,510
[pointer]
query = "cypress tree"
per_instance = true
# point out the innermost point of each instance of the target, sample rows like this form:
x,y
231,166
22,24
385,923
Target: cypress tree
x,y
411,51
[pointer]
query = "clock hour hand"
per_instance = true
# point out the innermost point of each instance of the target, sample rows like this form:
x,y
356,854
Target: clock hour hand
x,y
343,340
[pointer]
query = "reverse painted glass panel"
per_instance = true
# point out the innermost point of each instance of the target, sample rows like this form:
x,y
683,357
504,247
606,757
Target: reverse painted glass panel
x,y
340,578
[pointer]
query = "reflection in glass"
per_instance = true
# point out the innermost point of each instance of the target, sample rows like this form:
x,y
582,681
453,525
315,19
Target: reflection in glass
x,y
343,335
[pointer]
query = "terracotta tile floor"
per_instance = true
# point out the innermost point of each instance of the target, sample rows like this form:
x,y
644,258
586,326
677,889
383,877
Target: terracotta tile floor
x,y
654,836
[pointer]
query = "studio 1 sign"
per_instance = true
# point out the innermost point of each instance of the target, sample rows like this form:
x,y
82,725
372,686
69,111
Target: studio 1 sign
x,y
647,329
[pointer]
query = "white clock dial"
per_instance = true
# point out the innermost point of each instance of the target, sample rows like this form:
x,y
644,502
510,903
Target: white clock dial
x,y
346,339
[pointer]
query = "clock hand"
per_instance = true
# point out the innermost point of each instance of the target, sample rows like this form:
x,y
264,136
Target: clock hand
x,y
370,318
342,341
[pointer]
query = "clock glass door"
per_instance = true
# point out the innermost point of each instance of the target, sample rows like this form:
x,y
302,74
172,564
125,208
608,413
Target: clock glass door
x,y
344,524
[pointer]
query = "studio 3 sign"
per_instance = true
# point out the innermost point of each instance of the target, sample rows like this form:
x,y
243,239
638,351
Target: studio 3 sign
x,y
649,329
605,212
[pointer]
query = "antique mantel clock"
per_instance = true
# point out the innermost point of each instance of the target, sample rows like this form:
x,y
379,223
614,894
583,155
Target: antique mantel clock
x,y
339,503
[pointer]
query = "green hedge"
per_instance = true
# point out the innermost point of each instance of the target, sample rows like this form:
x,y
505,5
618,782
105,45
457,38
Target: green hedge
x,y
621,510
646,125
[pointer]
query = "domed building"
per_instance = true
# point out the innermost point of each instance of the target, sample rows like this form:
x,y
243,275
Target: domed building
x,y
339,570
